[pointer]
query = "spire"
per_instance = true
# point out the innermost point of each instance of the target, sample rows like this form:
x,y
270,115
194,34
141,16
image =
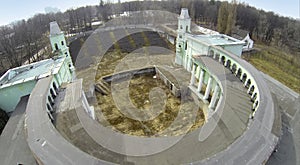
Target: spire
x,y
184,14
54,28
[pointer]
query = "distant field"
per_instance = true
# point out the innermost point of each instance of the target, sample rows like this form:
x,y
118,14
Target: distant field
x,y
282,66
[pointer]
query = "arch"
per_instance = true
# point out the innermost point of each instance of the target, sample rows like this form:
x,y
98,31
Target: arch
x,y
217,56
233,68
228,64
54,86
211,53
254,97
251,90
239,73
255,105
49,107
248,83
62,43
244,78
222,60
50,100
53,95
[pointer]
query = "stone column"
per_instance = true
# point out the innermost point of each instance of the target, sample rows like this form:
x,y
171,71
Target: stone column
x,y
193,75
200,80
248,91
245,83
225,63
214,97
54,92
254,105
207,91
252,96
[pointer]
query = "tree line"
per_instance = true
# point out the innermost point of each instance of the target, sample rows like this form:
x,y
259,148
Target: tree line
x,y
21,40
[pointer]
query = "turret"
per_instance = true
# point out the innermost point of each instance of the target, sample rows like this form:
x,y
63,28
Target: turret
x,y
184,26
59,45
184,21
57,38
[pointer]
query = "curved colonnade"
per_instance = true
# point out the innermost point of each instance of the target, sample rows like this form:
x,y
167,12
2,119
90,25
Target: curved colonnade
x,y
212,84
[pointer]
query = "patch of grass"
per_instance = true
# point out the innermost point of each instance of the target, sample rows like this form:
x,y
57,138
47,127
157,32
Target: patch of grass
x,y
280,65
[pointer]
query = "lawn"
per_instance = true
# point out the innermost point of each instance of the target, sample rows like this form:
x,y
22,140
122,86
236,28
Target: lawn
x,y
282,66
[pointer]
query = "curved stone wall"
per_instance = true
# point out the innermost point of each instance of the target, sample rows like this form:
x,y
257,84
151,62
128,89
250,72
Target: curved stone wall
x,y
46,143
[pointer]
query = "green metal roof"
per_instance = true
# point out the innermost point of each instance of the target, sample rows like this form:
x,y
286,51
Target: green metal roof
x,y
217,39
31,71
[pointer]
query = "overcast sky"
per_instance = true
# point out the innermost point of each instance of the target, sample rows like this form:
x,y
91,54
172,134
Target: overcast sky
x,y
12,10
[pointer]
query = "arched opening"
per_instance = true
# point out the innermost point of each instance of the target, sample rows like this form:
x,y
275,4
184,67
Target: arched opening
x,y
239,73
254,97
49,107
62,43
228,64
52,93
233,68
56,46
54,86
222,60
50,100
244,78
211,53
255,105
248,83
187,28
251,90
217,56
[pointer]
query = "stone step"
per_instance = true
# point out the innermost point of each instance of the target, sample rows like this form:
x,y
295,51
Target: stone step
x,y
99,89
102,87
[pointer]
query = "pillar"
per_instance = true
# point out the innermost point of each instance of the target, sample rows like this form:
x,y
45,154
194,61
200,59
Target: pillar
x,y
249,89
193,75
236,73
254,105
200,80
54,92
207,91
214,56
246,82
214,97
252,96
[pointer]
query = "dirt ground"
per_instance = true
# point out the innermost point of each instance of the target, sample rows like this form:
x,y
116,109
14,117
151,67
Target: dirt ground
x,y
169,115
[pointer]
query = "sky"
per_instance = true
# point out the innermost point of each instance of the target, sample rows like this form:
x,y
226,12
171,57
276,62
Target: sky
x,y
12,10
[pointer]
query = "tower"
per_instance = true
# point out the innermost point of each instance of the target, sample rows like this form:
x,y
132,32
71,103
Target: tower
x,y
59,46
184,26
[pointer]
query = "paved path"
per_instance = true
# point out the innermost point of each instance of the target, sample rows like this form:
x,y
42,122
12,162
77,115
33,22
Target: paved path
x,y
13,145
288,149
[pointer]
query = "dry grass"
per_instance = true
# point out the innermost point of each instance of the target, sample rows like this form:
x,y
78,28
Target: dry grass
x,y
280,65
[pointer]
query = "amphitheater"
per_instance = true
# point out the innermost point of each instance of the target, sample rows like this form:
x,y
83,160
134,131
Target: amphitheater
x,y
135,101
